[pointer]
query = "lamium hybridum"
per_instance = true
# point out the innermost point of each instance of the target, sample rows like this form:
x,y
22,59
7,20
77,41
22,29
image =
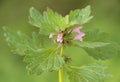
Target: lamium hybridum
x,y
43,51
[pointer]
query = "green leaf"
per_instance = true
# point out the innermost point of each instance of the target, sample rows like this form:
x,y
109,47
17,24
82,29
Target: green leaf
x,y
40,52
41,40
87,73
104,52
48,22
80,16
23,45
52,22
18,42
44,60
97,45
91,44
96,35
56,19
35,17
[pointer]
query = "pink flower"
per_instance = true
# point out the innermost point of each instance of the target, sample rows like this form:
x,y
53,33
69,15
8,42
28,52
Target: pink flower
x,y
79,36
51,35
59,40
60,37
77,29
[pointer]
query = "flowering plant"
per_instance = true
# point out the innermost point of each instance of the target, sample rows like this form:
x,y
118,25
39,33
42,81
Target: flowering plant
x,y
44,50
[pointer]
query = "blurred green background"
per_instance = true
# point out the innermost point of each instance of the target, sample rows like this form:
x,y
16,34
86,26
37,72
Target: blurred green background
x,y
14,14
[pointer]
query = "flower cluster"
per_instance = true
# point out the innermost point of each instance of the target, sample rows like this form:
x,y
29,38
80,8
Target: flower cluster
x,y
80,34
59,38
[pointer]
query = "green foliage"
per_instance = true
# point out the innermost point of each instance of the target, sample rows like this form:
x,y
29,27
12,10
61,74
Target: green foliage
x,y
52,22
92,44
37,50
104,52
96,35
44,60
97,45
43,53
48,22
23,44
80,16
87,73
18,42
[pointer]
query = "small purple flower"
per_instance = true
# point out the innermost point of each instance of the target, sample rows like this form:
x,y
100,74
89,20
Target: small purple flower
x,y
59,40
77,29
79,36
51,35
60,37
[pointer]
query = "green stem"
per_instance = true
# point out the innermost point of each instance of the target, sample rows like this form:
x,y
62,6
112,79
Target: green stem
x,y
61,71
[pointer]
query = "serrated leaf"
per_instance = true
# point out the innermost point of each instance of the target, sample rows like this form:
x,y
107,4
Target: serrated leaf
x,y
80,16
48,22
35,17
91,44
88,73
97,45
96,35
23,45
39,51
56,19
18,42
104,52
51,22
44,60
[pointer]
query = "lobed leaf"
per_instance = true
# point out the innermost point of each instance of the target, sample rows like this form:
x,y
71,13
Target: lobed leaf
x,y
91,44
51,22
18,42
79,17
24,45
48,22
88,73
44,60
97,45
96,35
38,50
104,52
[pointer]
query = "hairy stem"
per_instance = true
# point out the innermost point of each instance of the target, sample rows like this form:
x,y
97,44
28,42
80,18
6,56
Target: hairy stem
x,y
61,71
